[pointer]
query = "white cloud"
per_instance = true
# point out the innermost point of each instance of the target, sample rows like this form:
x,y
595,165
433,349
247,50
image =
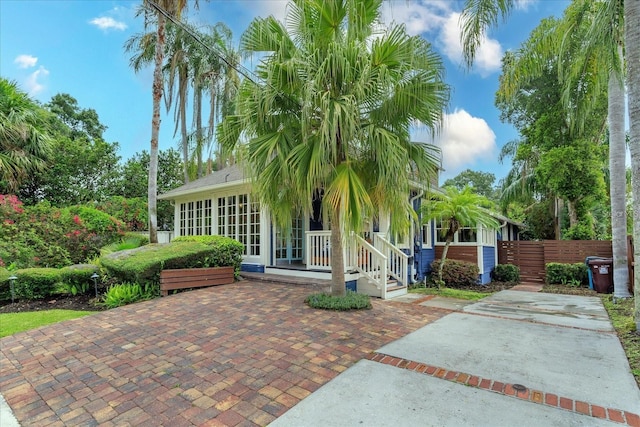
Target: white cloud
x,y
107,23
26,61
463,140
440,23
33,83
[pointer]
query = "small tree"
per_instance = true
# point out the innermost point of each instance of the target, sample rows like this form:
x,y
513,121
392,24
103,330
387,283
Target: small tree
x,y
457,209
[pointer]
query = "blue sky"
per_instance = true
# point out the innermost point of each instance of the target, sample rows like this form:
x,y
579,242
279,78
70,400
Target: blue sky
x,y
76,47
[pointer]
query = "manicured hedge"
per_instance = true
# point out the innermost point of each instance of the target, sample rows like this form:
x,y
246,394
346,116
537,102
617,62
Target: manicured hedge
x,y
228,252
35,283
143,265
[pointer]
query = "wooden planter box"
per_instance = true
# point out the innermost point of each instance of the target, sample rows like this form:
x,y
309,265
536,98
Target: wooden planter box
x,y
184,278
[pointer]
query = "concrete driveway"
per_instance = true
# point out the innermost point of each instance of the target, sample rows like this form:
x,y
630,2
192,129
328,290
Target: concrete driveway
x,y
515,358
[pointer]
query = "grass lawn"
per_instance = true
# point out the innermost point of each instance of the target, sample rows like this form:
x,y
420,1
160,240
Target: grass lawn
x,y
621,314
11,323
451,293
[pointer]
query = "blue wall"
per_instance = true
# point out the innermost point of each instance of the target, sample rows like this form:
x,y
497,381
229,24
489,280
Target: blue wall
x,y
352,285
489,261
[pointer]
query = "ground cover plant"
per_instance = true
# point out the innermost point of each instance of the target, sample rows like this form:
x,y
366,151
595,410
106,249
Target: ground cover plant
x,y
11,323
621,315
349,301
452,293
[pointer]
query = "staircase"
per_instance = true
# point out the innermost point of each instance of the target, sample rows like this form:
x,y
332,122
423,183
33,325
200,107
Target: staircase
x,y
382,266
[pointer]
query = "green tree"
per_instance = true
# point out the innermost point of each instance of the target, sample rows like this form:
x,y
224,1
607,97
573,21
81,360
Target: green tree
x,y
479,15
454,210
82,167
135,172
332,111
25,141
482,183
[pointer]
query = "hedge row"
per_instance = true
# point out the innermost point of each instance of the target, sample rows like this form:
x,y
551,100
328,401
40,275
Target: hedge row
x,y
38,283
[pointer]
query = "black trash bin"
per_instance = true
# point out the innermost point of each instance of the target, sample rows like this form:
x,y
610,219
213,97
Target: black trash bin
x,y
602,271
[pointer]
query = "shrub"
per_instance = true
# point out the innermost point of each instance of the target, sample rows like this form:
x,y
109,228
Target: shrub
x,y
351,301
76,279
133,212
228,252
36,283
130,241
144,264
456,273
567,274
127,293
506,273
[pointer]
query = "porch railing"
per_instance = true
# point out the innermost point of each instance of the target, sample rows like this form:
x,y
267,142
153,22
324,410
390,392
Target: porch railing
x,y
397,261
369,262
319,250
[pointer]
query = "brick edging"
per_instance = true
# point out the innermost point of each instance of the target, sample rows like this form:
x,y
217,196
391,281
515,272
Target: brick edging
x,y
534,396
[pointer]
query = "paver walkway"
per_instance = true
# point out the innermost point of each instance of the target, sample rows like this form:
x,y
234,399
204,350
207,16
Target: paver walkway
x,y
239,354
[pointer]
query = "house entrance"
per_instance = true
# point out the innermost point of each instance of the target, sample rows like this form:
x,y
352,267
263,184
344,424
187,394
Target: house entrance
x,y
289,246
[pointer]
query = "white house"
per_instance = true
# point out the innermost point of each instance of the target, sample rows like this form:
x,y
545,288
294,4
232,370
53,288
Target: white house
x,y
222,204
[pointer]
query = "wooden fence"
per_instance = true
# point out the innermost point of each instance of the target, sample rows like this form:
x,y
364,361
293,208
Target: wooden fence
x,y
531,257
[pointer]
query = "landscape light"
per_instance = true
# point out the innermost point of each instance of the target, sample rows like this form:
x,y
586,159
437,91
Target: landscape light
x,y
95,276
12,281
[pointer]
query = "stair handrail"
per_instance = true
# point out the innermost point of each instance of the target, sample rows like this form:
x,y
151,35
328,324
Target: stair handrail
x,y
397,261
369,262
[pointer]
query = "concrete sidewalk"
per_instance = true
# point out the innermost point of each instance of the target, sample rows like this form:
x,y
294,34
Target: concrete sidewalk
x,y
515,358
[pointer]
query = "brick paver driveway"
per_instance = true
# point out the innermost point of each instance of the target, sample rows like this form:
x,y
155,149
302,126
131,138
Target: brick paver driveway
x,y
239,354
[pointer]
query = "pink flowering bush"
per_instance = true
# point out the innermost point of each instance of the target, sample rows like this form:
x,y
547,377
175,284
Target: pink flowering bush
x,y
47,236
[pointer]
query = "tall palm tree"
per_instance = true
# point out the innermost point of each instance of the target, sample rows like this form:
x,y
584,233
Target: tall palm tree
x,y
157,10
25,144
632,43
332,112
456,209
591,35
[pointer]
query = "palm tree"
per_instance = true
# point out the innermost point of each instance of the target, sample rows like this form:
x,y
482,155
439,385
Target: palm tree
x,y
25,144
456,209
160,9
632,43
590,35
331,112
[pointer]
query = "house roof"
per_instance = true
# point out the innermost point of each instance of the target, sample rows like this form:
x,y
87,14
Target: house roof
x,y
229,175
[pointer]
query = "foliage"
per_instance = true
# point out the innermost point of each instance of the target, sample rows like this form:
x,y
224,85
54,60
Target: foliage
x,y
25,141
456,273
228,252
83,167
133,184
349,301
567,274
144,264
481,182
128,293
334,91
506,273
12,323
46,236
35,283
127,242
76,279
620,312
132,212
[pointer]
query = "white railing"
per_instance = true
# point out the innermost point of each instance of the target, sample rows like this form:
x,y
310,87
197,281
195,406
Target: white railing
x,y
397,261
369,261
319,250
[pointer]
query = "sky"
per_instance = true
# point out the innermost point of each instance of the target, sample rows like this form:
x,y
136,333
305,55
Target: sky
x,y
76,47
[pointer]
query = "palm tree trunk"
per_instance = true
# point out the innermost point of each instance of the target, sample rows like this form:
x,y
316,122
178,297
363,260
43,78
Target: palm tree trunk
x,y
442,260
617,187
185,138
155,130
573,214
337,256
632,43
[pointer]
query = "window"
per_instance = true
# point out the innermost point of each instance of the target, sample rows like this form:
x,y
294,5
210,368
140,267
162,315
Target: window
x,y
465,235
426,235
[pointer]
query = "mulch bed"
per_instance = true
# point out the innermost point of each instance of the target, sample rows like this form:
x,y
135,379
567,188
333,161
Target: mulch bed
x,y
569,290
58,302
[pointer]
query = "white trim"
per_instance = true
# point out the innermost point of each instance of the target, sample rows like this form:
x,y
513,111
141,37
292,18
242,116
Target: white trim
x,y
429,228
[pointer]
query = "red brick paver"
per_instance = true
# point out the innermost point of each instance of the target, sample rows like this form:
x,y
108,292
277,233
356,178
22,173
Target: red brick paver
x,y
240,354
